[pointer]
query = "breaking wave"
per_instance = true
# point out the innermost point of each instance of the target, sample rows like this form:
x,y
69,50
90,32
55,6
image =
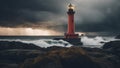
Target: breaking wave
x,y
87,41
43,42
97,41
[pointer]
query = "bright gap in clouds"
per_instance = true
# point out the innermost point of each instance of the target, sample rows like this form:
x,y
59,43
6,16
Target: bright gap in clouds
x,y
27,31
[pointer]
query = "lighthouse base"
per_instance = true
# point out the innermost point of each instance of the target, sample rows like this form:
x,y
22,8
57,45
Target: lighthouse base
x,y
71,35
74,41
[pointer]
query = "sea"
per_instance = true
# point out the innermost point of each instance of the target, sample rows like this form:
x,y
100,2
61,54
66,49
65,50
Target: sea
x,y
47,41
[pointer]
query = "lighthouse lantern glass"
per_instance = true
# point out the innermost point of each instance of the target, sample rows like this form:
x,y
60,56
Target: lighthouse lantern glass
x,y
71,6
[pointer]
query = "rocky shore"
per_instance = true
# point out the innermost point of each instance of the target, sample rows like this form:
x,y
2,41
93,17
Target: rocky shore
x,y
22,55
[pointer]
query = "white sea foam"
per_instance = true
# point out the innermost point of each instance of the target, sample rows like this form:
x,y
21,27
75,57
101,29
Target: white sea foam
x,y
43,42
87,41
91,41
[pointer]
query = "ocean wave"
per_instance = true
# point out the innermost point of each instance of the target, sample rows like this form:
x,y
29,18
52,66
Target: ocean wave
x,y
87,41
43,42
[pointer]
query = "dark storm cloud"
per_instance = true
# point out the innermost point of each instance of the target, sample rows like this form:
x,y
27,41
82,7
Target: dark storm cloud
x,y
16,12
111,22
91,15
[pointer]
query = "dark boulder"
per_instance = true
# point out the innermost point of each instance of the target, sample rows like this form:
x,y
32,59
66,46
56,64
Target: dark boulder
x,y
117,37
5,45
113,47
14,53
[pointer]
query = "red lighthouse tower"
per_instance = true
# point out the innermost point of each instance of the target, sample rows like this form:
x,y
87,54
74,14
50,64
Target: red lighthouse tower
x,y
71,26
70,35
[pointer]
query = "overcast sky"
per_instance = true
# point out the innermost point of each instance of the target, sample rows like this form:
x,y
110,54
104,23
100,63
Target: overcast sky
x,y
97,16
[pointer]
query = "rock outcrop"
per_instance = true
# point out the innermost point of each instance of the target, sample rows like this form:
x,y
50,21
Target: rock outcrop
x,y
117,37
5,45
113,47
22,55
73,57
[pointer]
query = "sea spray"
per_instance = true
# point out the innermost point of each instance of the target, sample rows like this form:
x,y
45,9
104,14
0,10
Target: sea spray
x,y
92,42
43,42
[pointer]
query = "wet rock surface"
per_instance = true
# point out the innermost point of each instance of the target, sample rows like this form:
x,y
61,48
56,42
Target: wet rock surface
x,y
22,55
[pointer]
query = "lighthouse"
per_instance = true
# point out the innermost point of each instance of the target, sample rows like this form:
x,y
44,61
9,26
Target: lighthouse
x,y
71,25
70,35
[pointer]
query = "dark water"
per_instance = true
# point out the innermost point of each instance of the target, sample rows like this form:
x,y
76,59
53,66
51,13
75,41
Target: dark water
x,y
29,37
39,37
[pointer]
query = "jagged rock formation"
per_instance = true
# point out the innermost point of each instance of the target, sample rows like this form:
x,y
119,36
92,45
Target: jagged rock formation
x,y
22,55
